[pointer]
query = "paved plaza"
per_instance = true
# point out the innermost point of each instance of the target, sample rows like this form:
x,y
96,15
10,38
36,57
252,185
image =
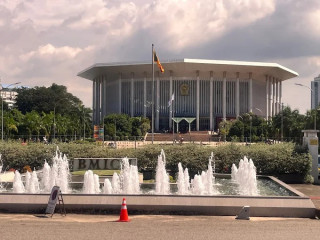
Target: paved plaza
x,y
80,226
18,226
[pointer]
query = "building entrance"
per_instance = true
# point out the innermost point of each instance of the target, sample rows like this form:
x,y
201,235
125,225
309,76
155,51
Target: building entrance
x,y
183,124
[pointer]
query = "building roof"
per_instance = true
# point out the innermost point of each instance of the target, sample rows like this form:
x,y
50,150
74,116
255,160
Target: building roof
x,y
190,66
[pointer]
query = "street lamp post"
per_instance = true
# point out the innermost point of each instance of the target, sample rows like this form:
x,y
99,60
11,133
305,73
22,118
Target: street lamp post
x,y
282,122
84,125
1,89
261,124
250,117
315,115
242,126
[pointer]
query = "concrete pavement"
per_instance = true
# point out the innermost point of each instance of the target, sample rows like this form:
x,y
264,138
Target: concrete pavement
x,y
312,191
78,226
24,227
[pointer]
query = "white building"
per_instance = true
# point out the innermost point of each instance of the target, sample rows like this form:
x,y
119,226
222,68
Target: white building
x,y
315,92
207,90
9,97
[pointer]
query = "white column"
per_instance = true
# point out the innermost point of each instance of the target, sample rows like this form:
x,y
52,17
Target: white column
x,y
157,103
267,97
132,95
103,97
277,97
250,92
270,97
280,93
94,102
145,95
198,103
98,100
238,95
224,96
170,94
119,94
211,102
97,106
273,97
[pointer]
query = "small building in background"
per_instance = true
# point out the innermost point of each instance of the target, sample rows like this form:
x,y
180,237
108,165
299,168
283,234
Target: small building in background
x,y
9,97
315,92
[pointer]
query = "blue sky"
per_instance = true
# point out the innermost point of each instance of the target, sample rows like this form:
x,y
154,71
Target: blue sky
x,y
45,41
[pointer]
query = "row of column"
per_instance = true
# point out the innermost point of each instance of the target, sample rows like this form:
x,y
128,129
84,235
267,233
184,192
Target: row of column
x,y
99,98
273,96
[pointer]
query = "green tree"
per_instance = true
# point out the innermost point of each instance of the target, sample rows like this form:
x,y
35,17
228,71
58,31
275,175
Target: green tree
x,y
140,126
33,123
12,120
224,127
42,99
292,123
237,129
122,123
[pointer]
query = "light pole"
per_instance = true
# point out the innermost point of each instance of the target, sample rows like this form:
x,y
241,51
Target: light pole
x,y
315,115
261,124
282,122
242,126
84,125
1,89
250,117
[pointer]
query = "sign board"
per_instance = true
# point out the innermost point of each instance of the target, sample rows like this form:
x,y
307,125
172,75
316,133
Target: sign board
x,y
100,163
313,141
101,134
53,200
98,133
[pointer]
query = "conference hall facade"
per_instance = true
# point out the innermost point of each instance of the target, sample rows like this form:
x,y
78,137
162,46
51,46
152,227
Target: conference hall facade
x,y
207,91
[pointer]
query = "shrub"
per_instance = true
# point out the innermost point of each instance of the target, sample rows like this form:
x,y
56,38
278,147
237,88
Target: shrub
x,y
276,159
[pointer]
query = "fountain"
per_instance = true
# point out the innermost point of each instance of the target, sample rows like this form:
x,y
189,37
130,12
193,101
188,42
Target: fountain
x,y
57,174
246,177
204,194
129,178
91,183
127,182
183,180
202,184
18,186
162,177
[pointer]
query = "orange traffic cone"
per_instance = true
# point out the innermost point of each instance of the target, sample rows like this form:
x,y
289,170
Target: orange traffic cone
x,y
124,212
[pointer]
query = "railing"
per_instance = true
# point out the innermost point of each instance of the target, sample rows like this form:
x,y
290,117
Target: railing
x,y
165,138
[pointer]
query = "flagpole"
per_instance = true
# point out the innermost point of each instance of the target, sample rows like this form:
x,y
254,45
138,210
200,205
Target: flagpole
x,y
152,110
172,102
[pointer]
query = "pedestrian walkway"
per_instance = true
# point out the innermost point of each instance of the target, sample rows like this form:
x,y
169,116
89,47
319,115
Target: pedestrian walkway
x,y
312,191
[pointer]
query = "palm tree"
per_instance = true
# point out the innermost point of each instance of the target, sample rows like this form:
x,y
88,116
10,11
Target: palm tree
x,y
85,119
33,123
47,121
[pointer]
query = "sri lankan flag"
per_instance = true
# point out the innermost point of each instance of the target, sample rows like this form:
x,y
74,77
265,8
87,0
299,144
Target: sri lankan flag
x,y
156,59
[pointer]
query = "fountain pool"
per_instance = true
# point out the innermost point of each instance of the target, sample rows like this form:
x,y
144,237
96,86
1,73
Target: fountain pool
x,y
206,193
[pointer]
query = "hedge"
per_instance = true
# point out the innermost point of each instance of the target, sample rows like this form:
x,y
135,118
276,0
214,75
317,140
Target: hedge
x,y
277,159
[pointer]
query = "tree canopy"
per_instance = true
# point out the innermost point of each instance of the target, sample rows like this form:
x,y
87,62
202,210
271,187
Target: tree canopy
x,y
47,111
46,99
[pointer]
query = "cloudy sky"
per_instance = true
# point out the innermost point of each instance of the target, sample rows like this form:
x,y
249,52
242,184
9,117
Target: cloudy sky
x,y
45,41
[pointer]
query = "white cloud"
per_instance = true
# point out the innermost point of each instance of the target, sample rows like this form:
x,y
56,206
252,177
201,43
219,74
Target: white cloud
x,y
296,96
50,51
45,41
189,23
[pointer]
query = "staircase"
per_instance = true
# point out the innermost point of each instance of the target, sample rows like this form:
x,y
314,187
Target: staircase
x,y
199,136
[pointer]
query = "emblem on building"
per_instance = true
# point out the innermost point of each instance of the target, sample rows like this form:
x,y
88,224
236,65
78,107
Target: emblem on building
x,y
184,89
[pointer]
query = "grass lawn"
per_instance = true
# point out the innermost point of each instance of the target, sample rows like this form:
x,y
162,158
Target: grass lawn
x,y
98,172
